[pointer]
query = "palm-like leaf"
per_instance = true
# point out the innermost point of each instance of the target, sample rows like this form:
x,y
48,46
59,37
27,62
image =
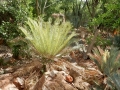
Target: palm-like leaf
x,y
47,39
114,81
108,62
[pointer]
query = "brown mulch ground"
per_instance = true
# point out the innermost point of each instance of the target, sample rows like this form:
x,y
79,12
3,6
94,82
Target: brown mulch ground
x,y
27,74
68,73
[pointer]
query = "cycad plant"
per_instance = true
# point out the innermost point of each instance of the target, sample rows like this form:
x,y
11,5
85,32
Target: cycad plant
x,y
47,39
114,81
107,61
116,41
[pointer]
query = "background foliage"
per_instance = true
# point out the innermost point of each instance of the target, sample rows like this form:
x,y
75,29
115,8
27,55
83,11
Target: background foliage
x,y
12,14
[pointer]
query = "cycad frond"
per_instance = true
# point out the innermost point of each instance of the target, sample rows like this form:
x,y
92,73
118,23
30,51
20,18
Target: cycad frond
x,y
114,80
47,39
108,62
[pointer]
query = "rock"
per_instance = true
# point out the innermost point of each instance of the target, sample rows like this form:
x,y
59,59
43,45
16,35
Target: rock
x,y
81,84
5,54
58,82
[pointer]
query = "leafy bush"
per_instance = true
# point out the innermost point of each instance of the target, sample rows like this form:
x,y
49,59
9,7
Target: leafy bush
x,y
100,41
47,39
13,13
109,19
20,48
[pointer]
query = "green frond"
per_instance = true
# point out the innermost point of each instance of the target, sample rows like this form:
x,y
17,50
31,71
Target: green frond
x,y
107,61
47,39
114,80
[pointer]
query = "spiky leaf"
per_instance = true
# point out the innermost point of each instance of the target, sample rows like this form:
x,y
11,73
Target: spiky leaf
x,y
47,39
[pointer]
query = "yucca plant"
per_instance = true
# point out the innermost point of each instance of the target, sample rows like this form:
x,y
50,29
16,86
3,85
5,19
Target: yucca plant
x,y
47,39
107,61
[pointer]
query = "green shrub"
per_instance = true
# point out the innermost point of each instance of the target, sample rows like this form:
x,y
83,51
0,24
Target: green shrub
x,y
13,13
20,48
47,39
100,41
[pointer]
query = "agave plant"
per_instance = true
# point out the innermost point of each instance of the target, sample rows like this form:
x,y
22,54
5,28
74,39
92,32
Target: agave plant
x,y
107,61
47,39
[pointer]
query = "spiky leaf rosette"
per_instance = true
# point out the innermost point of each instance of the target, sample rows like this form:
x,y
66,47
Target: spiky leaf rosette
x,y
47,39
114,81
107,61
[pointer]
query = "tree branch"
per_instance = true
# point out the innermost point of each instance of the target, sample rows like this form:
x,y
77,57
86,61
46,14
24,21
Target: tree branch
x,y
89,8
51,4
44,6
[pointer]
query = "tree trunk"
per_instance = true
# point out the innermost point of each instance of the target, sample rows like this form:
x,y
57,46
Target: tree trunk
x,y
90,46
